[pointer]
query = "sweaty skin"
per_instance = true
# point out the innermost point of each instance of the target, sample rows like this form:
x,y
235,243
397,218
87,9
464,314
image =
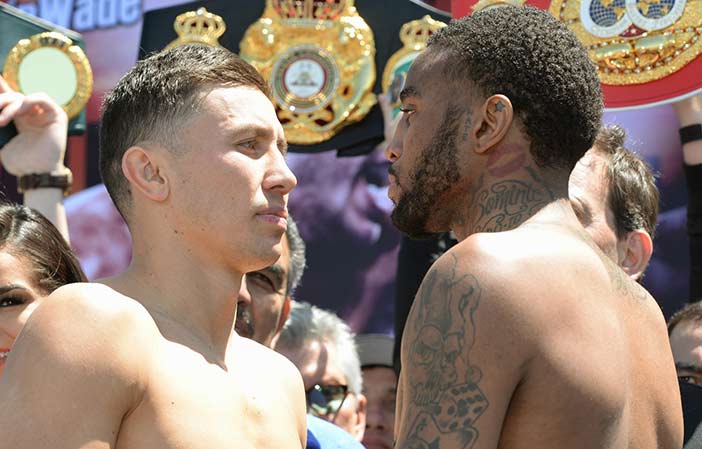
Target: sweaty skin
x,y
150,359
524,335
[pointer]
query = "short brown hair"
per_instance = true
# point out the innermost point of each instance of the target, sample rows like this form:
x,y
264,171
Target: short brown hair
x,y
156,97
691,312
633,196
26,234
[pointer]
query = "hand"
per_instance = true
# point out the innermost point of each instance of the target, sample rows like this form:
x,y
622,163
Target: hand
x,y
42,126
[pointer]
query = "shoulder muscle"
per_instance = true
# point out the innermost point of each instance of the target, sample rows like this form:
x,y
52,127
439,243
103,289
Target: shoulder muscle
x,y
85,346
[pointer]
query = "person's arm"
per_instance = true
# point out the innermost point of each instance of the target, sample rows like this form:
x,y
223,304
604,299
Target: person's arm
x,y
38,148
689,114
464,358
74,372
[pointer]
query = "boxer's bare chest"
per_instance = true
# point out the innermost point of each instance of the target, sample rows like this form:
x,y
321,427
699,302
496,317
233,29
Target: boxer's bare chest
x,y
191,402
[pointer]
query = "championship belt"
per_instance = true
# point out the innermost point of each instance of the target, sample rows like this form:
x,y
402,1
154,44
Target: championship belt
x,y
318,56
646,51
71,80
638,43
414,36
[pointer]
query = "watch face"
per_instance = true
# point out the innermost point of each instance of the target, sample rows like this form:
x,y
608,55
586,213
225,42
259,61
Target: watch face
x,y
304,79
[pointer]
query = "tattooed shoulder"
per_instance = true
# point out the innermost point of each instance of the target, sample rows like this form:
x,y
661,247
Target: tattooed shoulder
x,y
445,385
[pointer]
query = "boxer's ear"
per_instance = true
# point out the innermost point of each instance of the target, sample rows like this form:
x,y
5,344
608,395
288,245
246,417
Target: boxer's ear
x,y
494,121
145,173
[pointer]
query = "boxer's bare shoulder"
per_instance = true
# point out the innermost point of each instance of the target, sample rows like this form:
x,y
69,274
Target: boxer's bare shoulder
x,y
521,339
76,370
95,369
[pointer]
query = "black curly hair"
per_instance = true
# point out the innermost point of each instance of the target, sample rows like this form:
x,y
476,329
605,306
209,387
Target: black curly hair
x,y
527,55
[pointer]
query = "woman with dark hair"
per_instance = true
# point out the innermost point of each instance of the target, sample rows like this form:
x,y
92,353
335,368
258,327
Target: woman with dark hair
x,y
35,258
34,261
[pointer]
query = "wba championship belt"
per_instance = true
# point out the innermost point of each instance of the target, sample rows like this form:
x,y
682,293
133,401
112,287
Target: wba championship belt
x,y
414,36
318,56
646,51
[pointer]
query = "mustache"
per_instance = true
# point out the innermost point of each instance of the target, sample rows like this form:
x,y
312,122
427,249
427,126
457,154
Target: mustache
x,y
391,171
244,324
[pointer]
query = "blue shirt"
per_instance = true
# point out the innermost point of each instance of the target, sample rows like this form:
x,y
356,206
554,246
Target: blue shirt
x,y
322,434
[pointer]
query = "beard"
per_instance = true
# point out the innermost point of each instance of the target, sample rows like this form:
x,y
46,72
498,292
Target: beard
x,y
436,173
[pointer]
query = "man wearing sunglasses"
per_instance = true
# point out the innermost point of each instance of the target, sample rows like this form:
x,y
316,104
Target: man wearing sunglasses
x,y
322,347
263,308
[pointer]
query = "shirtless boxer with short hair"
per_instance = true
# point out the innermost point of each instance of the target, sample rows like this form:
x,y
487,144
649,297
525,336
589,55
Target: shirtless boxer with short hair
x,y
192,153
524,334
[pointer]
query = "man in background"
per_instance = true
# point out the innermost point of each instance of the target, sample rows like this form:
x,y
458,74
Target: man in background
x,y
265,296
263,308
322,347
379,388
614,194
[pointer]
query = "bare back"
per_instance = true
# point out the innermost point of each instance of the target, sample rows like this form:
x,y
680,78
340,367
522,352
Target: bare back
x,y
532,338
137,381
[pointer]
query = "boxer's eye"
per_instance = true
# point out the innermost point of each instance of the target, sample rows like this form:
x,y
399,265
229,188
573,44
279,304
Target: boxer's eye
x,y
250,144
406,113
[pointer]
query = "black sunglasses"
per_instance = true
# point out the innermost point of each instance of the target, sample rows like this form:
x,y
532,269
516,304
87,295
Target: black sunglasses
x,y
325,400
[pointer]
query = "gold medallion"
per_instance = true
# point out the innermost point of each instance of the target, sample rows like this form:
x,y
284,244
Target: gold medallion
x,y
414,36
199,26
318,56
635,41
49,62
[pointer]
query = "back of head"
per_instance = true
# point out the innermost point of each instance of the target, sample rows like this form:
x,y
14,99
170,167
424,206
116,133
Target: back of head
x,y
633,195
308,323
26,234
691,312
530,57
156,97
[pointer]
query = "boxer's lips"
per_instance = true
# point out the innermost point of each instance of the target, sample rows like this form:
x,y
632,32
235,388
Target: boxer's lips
x,y
511,157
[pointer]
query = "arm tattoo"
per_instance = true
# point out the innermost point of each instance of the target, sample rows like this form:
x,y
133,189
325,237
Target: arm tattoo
x,y
445,398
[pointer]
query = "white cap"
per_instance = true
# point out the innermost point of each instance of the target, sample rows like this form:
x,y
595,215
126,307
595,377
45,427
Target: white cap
x,y
375,349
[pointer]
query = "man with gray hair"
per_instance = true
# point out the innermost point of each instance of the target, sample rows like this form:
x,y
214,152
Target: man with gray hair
x,y
322,347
